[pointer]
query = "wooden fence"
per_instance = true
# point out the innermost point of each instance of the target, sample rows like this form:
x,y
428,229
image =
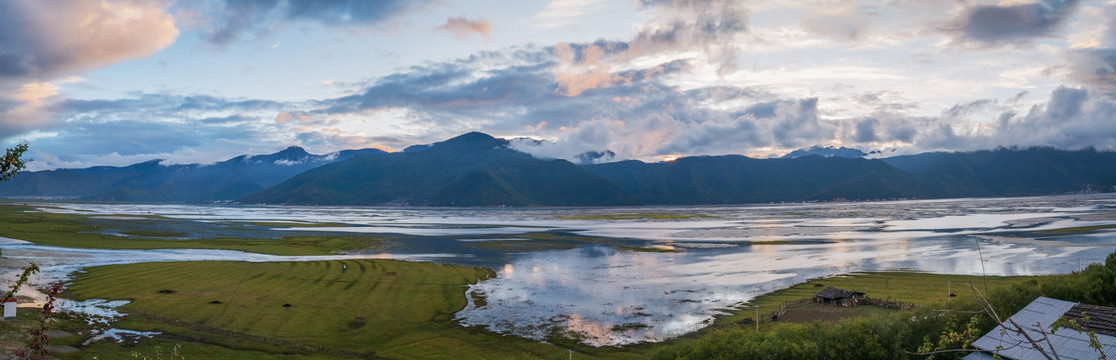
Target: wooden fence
x,y
788,305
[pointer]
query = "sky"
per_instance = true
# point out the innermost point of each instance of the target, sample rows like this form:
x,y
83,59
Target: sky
x,y
117,82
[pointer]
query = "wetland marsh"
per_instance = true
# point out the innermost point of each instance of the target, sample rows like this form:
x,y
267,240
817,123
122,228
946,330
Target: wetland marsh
x,y
601,276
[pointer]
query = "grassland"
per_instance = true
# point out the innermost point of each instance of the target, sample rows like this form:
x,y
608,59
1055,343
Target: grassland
x,y
327,309
87,231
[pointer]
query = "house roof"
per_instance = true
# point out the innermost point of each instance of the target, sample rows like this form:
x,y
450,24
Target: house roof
x,y
1036,319
1101,319
830,293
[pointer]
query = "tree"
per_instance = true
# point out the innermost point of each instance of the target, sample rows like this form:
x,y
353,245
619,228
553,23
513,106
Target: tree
x,y
12,162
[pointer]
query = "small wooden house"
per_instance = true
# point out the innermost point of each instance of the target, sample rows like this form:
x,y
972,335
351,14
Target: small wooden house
x,y
838,296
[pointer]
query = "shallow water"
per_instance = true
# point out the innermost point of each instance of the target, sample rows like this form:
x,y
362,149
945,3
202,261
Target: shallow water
x,y
611,295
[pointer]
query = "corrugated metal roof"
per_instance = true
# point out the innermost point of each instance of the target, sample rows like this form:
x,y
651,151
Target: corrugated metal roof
x,y
1036,319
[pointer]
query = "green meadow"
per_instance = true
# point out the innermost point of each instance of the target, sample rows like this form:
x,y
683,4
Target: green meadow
x,y
323,309
88,231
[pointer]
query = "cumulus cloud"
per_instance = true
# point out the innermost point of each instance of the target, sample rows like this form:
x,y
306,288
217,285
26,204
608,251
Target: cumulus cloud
x,y
232,19
679,27
42,40
1072,118
1013,23
683,25
462,27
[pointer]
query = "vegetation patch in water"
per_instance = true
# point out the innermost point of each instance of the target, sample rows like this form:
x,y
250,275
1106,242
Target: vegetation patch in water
x,y
86,231
637,216
1079,229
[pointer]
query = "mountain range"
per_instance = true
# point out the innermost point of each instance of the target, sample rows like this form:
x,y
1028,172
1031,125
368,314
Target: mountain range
x,y
476,169
153,181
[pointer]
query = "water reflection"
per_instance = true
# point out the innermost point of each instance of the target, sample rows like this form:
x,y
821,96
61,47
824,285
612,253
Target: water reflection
x,y
608,294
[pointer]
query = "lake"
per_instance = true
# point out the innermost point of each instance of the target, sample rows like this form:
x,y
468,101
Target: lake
x,y
649,273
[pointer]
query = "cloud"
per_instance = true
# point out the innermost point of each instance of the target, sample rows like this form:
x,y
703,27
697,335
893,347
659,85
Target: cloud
x,y
1095,67
560,13
866,130
681,25
844,20
462,27
43,40
232,19
1015,23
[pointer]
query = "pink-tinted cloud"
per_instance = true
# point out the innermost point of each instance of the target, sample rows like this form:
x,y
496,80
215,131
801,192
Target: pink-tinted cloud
x,y
462,27
47,39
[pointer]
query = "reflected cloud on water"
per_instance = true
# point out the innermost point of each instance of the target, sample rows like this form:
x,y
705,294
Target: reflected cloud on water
x,y
606,293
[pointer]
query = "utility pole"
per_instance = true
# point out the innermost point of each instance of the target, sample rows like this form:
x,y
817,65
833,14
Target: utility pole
x,y
949,292
757,317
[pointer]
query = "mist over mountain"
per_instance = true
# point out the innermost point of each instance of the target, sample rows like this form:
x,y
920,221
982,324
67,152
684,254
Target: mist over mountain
x,y
827,151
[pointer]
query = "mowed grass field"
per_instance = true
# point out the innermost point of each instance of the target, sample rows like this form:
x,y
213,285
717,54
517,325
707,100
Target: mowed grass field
x,y
323,309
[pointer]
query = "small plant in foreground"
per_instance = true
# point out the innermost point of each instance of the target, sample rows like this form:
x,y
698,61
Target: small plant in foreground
x,y
36,348
174,354
27,271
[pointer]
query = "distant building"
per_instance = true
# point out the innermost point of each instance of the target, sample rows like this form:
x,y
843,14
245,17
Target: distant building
x,y
1036,318
838,296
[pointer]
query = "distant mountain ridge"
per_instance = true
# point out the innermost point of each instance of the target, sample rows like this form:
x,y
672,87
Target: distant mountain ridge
x,y
473,169
151,181
476,169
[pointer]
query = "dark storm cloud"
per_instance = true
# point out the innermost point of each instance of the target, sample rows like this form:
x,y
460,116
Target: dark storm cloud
x,y
996,24
234,18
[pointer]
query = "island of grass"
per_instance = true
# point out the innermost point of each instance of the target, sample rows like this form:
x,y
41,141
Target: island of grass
x,y
1077,230
149,232
636,216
